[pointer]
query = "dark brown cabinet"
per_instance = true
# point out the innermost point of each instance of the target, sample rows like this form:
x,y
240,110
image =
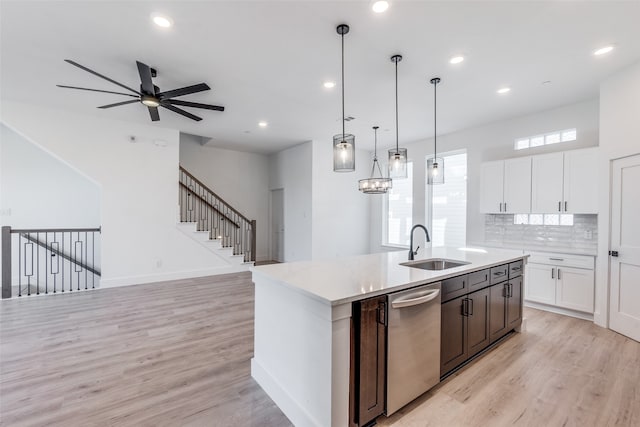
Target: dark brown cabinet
x,y
505,313
369,358
465,328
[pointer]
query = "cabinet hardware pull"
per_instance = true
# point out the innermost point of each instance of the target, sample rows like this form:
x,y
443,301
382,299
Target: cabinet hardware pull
x,y
559,206
382,313
559,278
553,273
505,206
465,311
471,301
499,273
505,290
565,206
556,259
510,290
500,206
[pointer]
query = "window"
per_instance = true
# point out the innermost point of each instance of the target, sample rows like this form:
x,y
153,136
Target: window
x,y
400,210
546,139
543,219
448,207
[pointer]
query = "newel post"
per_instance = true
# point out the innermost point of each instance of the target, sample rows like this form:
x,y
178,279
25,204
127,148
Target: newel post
x,y
254,235
6,261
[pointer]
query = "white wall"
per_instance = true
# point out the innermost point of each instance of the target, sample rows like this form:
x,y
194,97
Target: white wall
x,y
490,142
140,241
619,137
340,211
241,179
290,170
39,191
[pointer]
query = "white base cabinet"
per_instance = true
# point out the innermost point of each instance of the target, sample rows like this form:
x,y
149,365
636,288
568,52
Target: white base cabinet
x,y
560,280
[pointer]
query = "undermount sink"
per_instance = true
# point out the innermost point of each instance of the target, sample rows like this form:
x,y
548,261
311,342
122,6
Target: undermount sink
x,y
434,264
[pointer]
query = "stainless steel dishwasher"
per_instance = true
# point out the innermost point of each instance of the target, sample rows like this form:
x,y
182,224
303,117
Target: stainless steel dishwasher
x,y
413,344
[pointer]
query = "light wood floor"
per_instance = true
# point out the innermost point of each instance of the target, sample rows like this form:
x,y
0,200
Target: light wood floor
x,y
177,354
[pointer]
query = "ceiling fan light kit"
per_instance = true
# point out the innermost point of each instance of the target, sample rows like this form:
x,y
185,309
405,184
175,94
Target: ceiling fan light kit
x,y
150,95
344,144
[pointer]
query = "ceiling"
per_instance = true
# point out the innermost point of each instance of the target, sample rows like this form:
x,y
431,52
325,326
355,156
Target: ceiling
x,y
267,60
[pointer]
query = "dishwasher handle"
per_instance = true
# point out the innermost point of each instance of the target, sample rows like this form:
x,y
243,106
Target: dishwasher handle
x,y
409,301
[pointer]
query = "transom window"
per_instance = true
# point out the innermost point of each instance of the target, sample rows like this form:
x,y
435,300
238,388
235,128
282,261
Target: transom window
x,y
545,139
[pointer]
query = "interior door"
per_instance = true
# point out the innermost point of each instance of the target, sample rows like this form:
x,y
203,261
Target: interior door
x,y
277,225
624,298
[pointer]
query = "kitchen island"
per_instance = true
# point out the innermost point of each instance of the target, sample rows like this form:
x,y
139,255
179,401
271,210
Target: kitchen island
x,y
304,322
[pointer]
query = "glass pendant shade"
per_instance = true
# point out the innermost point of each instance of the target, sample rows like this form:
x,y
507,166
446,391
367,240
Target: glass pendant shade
x,y
344,153
435,171
398,163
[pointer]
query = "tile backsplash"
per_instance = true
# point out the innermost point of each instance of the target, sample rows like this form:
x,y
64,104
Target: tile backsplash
x,y
582,235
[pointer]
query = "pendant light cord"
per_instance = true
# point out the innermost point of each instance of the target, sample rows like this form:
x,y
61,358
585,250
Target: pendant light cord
x,y
397,149
435,129
343,138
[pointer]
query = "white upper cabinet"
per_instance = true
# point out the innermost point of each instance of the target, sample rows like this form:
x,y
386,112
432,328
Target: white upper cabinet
x,y
546,185
565,182
517,185
506,186
580,181
491,187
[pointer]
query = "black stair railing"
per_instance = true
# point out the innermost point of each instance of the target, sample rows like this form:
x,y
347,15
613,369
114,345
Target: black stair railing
x,y
199,204
48,260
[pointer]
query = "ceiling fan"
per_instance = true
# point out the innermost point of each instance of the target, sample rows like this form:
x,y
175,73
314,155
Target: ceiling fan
x,y
150,94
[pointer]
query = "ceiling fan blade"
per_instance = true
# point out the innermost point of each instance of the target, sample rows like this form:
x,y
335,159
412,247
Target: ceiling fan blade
x,y
97,90
100,75
117,104
153,112
194,104
181,111
145,78
183,91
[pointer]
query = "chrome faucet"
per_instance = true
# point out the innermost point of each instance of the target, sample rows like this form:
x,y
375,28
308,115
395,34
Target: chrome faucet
x,y
426,232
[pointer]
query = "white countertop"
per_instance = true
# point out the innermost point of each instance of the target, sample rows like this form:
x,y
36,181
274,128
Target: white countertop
x,y
530,247
343,280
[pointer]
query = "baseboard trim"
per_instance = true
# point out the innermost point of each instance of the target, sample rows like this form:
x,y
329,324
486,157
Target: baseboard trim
x,y
559,310
176,275
287,404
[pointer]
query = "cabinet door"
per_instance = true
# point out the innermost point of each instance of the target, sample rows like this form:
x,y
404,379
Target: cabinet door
x,y
541,283
580,180
477,321
491,187
514,303
371,359
498,311
546,183
575,289
517,185
453,349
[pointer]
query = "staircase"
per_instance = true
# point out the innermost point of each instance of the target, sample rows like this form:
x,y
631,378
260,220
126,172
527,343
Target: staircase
x,y
208,219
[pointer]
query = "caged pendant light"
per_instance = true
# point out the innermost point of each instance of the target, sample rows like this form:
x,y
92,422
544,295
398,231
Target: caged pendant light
x,y
344,144
435,166
397,156
375,184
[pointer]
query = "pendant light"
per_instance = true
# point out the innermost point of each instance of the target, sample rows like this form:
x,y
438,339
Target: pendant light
x,y
375,184
435,166
397,156
344,144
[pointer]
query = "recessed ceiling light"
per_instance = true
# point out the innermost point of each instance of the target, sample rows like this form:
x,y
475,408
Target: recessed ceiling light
x,y
603,50
329,85
504,90
262,124
456,59
380,6
162,21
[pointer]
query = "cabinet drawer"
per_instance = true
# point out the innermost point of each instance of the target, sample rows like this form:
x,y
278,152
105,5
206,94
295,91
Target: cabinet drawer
x,y
479,280
499,273
454,287
563,260
515,269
